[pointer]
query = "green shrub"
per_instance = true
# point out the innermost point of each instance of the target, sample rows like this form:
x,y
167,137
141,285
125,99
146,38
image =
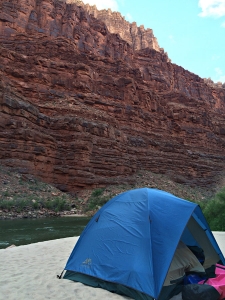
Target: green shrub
x,y
214,211
6,204
21,204
14,204
6,194
35,205
57,204
97,192
221,195
94,203
97,199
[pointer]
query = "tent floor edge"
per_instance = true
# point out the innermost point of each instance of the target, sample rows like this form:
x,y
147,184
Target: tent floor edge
x,y
106,285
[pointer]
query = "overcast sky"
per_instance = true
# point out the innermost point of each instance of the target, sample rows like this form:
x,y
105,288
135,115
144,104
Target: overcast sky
x,y
192,32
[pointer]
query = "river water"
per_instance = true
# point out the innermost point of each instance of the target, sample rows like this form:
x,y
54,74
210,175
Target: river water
x,y
27,231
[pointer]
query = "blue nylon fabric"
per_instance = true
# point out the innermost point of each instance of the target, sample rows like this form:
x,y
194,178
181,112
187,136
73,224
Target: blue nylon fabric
x,y
131,240
169,216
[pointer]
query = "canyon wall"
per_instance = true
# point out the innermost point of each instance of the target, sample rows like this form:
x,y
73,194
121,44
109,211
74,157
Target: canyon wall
x,y
137,36
79,107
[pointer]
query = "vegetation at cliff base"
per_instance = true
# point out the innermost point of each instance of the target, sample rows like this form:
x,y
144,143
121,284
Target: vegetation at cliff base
x,y
23,203
97,200
25,196
214,211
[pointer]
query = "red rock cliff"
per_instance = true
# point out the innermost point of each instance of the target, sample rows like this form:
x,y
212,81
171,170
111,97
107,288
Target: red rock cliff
x,y
137,36
80,107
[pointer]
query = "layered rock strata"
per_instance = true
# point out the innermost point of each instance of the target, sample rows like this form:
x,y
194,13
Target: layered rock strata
x,y
80,108
137,36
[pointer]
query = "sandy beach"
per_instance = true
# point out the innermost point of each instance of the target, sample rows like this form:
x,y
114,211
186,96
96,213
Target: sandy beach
x,y
30,272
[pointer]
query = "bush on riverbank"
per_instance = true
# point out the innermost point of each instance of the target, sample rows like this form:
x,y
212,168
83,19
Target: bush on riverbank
x,y
97,200
57,204
214,211
24,195
19,205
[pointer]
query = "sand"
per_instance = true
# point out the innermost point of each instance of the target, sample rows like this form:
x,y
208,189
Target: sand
x,y
30,272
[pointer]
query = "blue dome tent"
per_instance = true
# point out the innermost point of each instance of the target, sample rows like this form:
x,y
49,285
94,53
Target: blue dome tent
x,y
129,244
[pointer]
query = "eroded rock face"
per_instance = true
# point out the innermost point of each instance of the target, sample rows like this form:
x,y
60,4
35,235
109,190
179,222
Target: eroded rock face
x,y
80,108
137,36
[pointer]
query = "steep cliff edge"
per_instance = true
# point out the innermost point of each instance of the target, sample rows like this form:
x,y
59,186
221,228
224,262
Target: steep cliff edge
x,y
80,108
137,36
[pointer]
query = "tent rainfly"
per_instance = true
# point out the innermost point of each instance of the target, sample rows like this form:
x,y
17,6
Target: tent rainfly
x,y
129,244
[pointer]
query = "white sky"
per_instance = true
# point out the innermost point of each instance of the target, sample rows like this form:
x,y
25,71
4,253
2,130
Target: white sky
x,y
103,4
